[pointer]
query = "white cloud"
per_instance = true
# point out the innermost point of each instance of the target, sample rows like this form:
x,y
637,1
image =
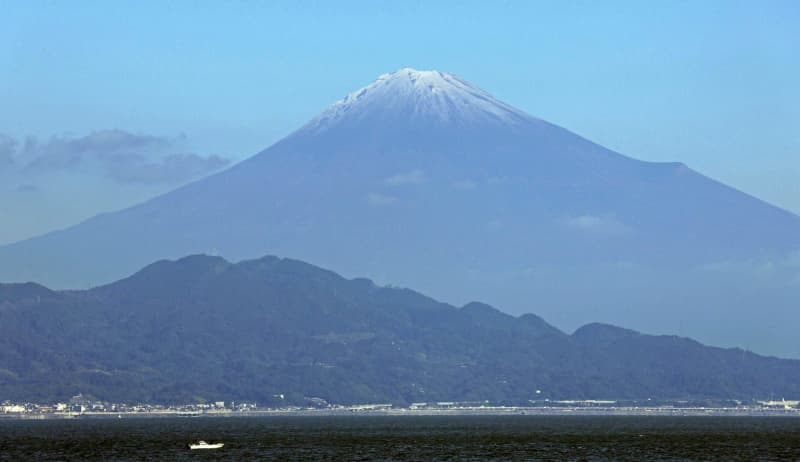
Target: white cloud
x,y
8,147
793,259
51,183
467,185
26,188
115,154
379,200
755,266
408,178
605,225
497,180
494,225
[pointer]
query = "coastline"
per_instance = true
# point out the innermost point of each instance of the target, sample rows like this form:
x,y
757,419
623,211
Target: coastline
x,y
477,411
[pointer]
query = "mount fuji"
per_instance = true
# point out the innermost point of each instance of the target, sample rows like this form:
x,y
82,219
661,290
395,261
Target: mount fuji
x,y
421,179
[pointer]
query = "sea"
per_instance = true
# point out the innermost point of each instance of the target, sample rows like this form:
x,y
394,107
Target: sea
x,y
405,438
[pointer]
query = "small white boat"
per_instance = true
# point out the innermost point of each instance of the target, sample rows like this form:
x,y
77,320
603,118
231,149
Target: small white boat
x,y
203,445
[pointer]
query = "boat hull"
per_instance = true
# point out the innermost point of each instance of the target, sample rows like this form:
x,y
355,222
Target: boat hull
x,y
206,446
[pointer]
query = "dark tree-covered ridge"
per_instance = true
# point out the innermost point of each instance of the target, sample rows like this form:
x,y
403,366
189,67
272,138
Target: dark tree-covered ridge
x,y
202,328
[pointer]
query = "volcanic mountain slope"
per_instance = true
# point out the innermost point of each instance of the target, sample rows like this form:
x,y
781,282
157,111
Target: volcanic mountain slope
x,y
201,328
423,180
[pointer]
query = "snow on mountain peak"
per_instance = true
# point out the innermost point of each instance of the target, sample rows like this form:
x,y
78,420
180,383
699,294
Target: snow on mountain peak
x,y
409,95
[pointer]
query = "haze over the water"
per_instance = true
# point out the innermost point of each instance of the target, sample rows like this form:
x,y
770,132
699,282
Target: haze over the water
x,y
107,105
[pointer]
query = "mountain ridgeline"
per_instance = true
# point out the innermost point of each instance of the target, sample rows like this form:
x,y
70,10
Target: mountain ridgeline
x,y
201,329
424,180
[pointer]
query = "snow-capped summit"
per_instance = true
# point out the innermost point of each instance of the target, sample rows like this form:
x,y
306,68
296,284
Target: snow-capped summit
x,y
410,95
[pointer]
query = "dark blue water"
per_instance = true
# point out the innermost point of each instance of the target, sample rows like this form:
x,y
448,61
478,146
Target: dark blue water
x,y
417,438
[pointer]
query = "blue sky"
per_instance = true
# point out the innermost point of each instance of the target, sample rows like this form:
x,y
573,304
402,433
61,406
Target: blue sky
x,y
712,84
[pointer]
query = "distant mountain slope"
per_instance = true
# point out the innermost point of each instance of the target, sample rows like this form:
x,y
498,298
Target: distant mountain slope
x,y
424,180
203,328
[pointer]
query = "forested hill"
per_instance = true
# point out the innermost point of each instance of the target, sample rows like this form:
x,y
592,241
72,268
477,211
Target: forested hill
x,y
201,328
